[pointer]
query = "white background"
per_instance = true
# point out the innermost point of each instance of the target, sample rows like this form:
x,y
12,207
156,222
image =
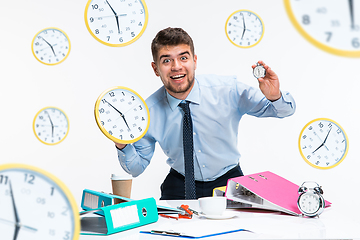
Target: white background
x,y
323,85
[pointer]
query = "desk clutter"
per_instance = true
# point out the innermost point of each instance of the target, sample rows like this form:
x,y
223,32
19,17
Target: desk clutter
x,y
265,190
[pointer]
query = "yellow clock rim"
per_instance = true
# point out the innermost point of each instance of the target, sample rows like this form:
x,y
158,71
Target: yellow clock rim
x,y
262,23
329,120
32,46
104,131
67,131
119,44
59,183
312,40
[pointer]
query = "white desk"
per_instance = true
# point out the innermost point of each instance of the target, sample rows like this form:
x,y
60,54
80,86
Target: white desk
x,y
333,223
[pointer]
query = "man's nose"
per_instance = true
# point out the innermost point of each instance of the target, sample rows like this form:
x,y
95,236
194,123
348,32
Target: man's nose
x,y
176,65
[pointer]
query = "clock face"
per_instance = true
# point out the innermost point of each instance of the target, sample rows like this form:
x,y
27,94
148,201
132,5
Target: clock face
x,y
259,71
309,204
332,26
35,205
116,23
51,125
51,46
244,28
122,115
323,143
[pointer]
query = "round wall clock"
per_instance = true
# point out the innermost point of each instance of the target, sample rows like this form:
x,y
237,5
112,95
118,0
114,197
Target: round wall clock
x,y
244,28
51,46
51,125
329,25
122,115
36,205
323,143
116,23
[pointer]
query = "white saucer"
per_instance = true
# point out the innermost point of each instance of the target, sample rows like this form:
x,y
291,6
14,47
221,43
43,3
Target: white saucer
x,y
225,215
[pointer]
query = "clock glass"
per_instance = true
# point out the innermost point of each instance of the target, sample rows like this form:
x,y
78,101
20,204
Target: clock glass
x,y
332,26
122,115
323,143
116,23
309,203
51,125
35,205
51,46
244,28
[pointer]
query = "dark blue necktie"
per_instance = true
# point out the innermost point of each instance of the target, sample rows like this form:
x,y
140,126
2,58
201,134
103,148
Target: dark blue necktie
x,y
190,191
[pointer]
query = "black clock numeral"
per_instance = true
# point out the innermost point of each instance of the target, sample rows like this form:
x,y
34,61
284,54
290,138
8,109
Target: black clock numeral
x,y
355,43
112,94
4,179
306,19
29,178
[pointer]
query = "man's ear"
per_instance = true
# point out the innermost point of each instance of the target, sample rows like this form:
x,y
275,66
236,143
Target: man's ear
x,y
153,65
195,60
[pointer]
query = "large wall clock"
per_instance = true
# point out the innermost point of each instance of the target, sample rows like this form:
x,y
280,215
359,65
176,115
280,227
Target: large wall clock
x,y
51,125
332,26
51,46
122,115
116,23
34,204
323,143
244,28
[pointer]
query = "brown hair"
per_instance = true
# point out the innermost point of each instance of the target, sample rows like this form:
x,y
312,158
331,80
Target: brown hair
x,y
170,37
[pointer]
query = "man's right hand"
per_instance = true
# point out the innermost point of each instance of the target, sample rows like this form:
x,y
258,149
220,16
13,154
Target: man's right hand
x,y
120,146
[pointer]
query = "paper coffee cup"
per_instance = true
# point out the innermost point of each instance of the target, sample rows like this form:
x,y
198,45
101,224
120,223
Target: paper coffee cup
x,y
121,186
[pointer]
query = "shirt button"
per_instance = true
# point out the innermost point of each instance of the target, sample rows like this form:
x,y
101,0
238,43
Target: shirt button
x,y
203,166
194,133
199,151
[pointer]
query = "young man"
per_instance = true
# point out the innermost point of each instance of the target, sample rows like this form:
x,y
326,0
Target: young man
x,y
216,103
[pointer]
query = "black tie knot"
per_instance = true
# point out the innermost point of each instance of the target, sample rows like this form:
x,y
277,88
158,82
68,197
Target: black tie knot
x,y
185,107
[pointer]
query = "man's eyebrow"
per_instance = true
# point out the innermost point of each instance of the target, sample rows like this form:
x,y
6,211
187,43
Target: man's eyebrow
x,y
167,55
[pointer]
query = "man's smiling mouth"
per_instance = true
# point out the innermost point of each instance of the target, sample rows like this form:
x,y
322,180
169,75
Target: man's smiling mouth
x,y
177,77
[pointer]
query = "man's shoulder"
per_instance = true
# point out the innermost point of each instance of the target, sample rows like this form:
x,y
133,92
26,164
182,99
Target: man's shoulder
x,y
157,97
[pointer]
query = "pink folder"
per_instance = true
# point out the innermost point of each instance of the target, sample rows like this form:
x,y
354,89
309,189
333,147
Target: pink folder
x,y
265,190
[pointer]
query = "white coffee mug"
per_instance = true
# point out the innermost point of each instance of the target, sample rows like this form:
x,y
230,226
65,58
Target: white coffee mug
x,y
212,205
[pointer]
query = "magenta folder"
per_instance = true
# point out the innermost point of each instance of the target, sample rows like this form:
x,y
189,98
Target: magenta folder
x,y
265,190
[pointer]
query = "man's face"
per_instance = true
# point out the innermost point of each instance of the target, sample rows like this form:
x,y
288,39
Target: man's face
x,y
176,65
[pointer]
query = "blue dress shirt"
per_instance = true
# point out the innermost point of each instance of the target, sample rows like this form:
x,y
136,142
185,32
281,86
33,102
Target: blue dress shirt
x,y
217,105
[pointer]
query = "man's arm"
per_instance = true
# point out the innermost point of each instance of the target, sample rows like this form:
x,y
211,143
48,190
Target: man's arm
x,y
134,158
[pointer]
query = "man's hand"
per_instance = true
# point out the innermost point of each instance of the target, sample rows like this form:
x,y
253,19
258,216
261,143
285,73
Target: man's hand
x,y
119,145
269,85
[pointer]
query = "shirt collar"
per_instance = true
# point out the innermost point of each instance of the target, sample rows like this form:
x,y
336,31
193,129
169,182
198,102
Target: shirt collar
x,y
194,96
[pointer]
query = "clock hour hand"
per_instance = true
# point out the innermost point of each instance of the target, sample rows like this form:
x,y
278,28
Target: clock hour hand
x,y
351,6
121,114
116,16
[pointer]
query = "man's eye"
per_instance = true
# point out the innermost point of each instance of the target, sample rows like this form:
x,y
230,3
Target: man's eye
x,y
166,61
183,58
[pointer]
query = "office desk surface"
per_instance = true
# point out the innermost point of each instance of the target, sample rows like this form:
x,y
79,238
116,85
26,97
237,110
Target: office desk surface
x,y
333,223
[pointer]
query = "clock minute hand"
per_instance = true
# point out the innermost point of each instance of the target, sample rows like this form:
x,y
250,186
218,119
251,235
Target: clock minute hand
x,y
121,114
244,27
17,219
116,16
52,126
52,48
